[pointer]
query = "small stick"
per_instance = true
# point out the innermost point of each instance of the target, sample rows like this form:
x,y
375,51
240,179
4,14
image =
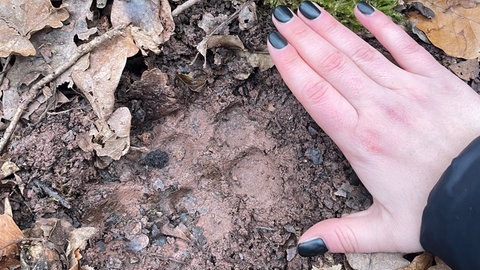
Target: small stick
x,y
52,193
32,93
5,68
184,6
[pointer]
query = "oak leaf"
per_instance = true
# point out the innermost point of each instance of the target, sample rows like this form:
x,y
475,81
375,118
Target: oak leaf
x,y
455,28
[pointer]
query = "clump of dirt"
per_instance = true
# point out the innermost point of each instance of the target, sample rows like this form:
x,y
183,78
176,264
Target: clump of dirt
x,y
226,177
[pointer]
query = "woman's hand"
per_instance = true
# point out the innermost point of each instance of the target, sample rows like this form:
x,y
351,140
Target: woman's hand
x,y
399,126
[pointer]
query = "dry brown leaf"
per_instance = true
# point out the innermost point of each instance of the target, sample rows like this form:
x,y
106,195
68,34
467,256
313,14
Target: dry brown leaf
x,y
10,235
215,41
247,17
454,28
440,265
8,168
100,80
76,242
112,139
22,18
262,60
209,23
152,22
376,261
111,134
421,262
466,70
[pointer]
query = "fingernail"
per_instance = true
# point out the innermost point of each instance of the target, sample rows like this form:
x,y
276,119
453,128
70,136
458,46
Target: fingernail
x,y
277,41
365,8
309,10
312,248
282,14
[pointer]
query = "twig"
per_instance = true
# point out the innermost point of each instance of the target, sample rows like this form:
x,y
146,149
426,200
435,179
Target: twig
x,y
52,193
32,93
184,6
5,68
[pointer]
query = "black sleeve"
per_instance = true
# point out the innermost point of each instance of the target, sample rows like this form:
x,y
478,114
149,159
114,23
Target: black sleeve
x,y
451,220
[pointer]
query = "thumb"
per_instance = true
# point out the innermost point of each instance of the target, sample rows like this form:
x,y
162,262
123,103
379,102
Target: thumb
x,y
360,232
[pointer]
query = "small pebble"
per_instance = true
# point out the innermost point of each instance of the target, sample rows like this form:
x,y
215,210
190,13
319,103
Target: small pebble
x,y
314,155
139,242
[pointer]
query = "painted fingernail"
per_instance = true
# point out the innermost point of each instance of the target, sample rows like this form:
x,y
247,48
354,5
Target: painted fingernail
x,y
277,40
312,248
282,14
365,8
309,10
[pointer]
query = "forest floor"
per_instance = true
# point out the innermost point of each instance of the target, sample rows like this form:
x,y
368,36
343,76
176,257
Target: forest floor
x,y
228,177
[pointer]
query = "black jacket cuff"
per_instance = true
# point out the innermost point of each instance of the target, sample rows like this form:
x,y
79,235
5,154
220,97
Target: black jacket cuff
x,y
451,220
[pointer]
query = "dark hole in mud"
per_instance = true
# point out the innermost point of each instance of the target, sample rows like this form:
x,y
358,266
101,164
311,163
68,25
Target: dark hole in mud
x,y
157,159
57,3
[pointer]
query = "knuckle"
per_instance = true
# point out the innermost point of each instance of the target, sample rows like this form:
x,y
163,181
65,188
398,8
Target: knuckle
x,y
410,47
301,32
370,140
334,62
347,239
315,91
364,54
330,26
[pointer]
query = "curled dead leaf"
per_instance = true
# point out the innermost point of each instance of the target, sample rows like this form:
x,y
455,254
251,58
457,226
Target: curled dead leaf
x,y
194,84
454,29
112,138
215,41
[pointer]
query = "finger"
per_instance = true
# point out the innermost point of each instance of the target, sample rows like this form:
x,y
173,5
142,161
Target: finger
x,y
329,62
406,51
368,59
326,106
363,232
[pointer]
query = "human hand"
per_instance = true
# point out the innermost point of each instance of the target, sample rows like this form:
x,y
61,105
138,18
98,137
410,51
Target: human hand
x,y
399,126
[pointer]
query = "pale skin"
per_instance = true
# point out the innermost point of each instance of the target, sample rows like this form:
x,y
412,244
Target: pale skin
x,y
398,126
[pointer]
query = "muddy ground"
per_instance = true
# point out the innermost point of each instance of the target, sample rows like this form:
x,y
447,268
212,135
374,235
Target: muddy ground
x,y
225,177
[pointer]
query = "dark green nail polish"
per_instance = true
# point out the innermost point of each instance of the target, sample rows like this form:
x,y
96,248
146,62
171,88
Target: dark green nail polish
x,y
309,10
282,14
277,41
312,248
365,8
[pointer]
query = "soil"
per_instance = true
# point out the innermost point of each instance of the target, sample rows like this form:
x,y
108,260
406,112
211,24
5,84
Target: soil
x,y
225,177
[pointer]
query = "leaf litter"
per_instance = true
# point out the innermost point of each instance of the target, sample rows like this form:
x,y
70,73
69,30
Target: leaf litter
x,y
110,135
